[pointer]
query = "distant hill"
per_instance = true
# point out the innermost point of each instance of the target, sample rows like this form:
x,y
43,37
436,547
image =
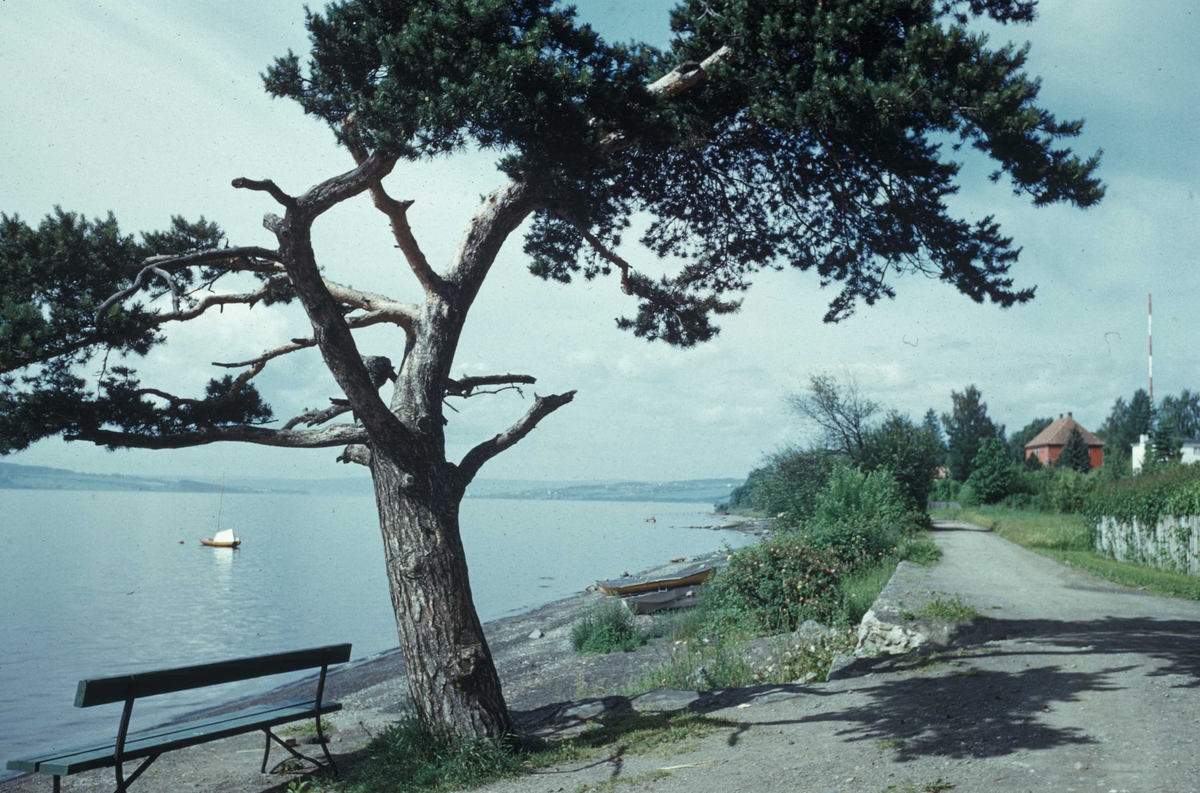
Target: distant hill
x,y
689,490
36,477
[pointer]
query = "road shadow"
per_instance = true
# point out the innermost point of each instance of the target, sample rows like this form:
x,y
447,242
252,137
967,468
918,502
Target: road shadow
x,y
973,714
1171,643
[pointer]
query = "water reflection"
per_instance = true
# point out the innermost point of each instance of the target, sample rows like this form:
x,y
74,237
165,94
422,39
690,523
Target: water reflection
x,y
222,580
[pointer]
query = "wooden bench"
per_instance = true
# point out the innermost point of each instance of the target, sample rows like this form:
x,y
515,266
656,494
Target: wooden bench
x,y
149,744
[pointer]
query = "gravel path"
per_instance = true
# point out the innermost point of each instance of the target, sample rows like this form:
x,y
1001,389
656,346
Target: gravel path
x,y
1068,684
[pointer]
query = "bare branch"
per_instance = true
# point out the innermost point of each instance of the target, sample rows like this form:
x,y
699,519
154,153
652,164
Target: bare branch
x,y
266,186
336,435
160,264
355,322
466,386
542,407
235,388
339,188
672,84
397,214
331,329
314,417
688,76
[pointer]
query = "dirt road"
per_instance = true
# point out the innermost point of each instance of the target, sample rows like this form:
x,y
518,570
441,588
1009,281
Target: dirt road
x,y
1068,684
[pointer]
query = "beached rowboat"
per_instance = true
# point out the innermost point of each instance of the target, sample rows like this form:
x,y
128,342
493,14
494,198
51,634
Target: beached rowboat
x,y
650,602
630,585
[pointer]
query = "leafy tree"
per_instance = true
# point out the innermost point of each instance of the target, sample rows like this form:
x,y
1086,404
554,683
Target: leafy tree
x,y
1016,444
910,453
812,135
840,411
786,485
1180,415
1074,454
994,474
967,425
1127,422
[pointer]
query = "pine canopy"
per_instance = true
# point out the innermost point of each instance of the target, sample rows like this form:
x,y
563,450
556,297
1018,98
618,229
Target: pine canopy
x,y
816,135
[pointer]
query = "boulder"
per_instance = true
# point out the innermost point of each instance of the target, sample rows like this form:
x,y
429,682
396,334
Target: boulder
x,y
876,637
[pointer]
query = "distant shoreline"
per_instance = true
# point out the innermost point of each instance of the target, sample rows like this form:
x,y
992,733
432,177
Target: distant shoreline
x,y
31,477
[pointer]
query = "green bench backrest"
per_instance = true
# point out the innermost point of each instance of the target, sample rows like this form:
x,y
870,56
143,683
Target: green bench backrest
x,y
119,688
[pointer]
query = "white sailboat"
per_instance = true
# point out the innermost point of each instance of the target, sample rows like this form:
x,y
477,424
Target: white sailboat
x,y
224,537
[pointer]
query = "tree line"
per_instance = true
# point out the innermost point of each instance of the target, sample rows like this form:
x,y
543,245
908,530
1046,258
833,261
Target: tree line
x,y
962,455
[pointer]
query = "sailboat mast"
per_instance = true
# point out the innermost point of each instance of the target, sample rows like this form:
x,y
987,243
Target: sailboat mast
x,y
221,502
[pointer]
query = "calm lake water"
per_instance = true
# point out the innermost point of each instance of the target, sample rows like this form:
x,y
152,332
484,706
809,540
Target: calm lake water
x,y
96,583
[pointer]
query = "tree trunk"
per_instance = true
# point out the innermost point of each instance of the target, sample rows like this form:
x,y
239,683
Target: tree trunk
x,y
451,676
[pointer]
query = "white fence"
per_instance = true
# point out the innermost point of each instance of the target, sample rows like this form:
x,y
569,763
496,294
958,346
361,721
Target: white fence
x,y
1171,544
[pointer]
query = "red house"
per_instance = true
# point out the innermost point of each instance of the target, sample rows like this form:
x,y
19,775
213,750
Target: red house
x,y
1048,443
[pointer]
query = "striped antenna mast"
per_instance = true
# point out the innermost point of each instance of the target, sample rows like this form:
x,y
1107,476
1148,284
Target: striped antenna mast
x,y
1150,337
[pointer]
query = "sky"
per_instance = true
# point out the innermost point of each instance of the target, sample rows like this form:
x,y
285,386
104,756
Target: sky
x,y
149,109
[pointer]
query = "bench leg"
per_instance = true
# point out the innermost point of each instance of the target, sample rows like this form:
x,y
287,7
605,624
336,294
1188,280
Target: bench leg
x,y
267,753
57,783
124,783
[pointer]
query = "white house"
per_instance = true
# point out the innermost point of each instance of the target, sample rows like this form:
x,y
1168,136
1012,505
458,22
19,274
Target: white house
x,y
1189,452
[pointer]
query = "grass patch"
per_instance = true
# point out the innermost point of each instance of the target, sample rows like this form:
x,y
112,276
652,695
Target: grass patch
x,y
860,590
305,729
608,628
697,667
406,758
953,608
1065,539
920,549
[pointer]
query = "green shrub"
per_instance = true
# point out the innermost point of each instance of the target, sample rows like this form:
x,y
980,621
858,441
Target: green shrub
x,y
915,522
851,496
1017,501
857,545
608,628
1171,491
778,583
944,490
1069,490
967,497
787,484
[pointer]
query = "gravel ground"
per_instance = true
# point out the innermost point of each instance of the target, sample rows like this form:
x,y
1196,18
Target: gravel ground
x,y
1067,683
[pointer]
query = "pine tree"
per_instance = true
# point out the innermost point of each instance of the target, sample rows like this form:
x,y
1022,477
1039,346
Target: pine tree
x,y
1128,422
1074,454
784,135
1164,445
967,425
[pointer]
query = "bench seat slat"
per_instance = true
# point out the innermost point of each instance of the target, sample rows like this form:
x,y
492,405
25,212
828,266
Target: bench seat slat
x,y
177,736
30,763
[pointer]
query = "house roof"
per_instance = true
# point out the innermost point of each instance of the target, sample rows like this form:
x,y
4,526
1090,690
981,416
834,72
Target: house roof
x,y
1059,432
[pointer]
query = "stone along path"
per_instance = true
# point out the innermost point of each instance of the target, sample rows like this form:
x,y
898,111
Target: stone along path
x,y
1068,683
